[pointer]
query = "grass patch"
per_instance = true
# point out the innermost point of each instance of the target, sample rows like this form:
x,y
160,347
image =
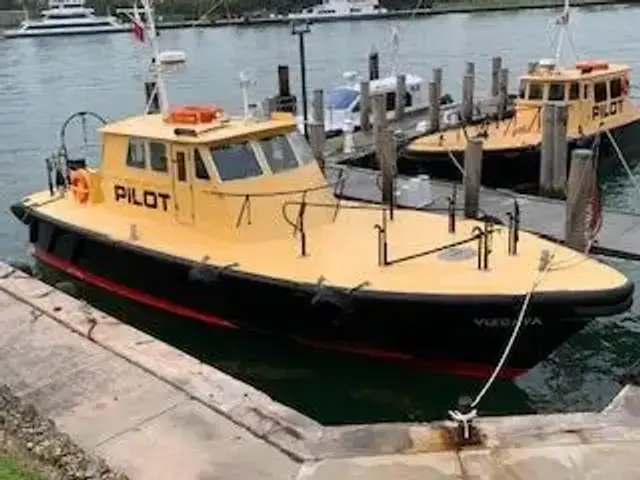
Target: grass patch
x,y
13,469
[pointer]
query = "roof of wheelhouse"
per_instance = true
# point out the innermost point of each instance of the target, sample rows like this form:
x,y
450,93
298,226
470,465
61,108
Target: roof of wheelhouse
x,y
154,126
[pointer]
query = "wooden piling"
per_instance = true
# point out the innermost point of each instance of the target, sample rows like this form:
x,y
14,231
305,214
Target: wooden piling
x,y
472,177
546,149
496,66
374,65
437,78
560,149
284,89
365,106
378,104
401,93
581,177
503,92
315,128
467,97
317,106
553,152
151,97
471,69
434,107
388,162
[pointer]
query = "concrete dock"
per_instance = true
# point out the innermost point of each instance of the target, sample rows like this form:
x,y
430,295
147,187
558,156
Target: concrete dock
x,y
156,413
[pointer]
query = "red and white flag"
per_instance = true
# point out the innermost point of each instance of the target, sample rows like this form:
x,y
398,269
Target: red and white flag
x,y
138,24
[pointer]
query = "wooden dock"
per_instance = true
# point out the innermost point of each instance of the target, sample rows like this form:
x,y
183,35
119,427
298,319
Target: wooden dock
x,y
619,236
365,142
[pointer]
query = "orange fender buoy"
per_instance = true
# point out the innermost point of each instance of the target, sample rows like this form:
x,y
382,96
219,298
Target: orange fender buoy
x,y
80,185
194,114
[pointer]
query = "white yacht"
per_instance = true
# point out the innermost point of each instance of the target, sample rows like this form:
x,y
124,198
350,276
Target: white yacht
x,y
67,17
329,9
342,102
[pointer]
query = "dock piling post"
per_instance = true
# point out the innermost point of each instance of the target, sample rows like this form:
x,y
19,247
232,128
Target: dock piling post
x,y
560,150
581,177
553,154
546,149
151,96
467,97
437,78
472,177
374,65
317,137
401,93
284,89
496,66
434,107
365,106
503,92
388,167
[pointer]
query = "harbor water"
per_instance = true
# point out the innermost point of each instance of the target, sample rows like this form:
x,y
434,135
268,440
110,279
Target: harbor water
x,y
44,80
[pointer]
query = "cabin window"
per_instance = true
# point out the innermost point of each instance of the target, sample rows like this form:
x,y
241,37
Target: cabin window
x,y
574,91
158,156
200,167
600,92
136,154
340,98
556,92
301,147
391,101
408,100
535,91
615,88
235,161
279,154
586,93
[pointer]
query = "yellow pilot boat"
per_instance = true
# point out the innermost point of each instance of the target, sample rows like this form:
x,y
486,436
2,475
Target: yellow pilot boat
x,y
596,94
230,221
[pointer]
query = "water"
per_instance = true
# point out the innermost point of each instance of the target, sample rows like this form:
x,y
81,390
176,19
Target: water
x,y
43,81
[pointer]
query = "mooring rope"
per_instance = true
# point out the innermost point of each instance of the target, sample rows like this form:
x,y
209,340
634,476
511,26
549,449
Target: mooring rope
x,y
465,418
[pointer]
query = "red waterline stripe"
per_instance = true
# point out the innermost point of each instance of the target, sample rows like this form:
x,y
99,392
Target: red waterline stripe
x,y
127,292
457,368
467,369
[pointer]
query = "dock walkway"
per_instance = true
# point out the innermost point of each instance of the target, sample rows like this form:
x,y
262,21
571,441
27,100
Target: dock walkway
x,y
156,413
619,236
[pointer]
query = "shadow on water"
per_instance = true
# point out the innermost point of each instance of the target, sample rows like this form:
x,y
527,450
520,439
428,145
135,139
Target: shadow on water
x,y
331,388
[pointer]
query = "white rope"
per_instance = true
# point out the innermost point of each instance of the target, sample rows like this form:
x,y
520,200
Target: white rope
x,y
455,162
466,418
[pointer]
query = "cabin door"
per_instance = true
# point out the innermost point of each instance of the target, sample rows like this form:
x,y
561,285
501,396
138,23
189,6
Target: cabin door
x,y
182,185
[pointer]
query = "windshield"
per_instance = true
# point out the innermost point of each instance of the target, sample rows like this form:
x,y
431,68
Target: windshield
x,y
340,98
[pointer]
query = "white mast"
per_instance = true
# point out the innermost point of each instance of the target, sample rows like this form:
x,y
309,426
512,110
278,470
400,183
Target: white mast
x,y
563,21
153,39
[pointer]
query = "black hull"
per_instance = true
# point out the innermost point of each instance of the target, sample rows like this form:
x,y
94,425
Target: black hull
x,y
458,334
519,168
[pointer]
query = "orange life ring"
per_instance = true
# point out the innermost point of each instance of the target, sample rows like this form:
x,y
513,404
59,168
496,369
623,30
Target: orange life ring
x,y
194,114
80,185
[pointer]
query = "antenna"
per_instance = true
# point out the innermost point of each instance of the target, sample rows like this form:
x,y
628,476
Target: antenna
x,y
153,38
563,22
245,82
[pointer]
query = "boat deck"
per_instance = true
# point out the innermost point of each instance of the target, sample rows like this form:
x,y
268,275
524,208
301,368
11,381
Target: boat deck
x,y
352,239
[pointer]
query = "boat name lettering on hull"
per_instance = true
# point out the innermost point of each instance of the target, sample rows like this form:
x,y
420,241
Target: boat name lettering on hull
x,y
146,198
604,110
504,322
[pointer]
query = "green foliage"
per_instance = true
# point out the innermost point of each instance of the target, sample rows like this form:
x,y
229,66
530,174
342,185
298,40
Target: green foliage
x,y
11,469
